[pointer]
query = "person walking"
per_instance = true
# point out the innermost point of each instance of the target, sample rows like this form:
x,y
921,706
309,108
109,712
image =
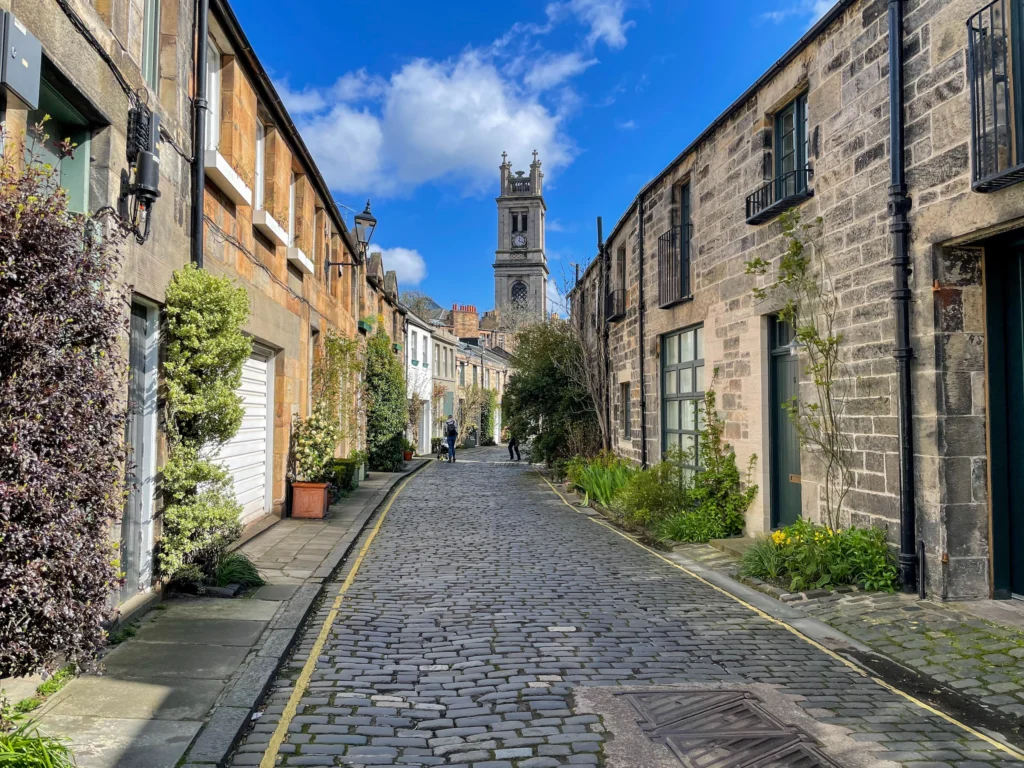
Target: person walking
x,y
451,431
513,444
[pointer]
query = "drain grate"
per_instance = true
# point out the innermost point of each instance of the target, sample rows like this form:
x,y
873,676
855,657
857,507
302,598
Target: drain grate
x,y
723,729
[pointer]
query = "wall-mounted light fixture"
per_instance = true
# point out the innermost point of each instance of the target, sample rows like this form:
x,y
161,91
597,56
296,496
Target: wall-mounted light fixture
x,y
140,187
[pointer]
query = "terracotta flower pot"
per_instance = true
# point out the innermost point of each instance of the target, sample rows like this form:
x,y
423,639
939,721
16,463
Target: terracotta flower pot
x,y
407,455
309,500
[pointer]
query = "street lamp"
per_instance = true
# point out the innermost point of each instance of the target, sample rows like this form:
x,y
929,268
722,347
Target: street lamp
x,y
365,224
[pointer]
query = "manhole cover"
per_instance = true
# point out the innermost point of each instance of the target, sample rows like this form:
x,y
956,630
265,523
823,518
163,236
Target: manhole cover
x,y
723,729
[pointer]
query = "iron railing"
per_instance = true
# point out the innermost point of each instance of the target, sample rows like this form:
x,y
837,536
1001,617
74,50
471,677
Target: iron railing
x,y
674,266
615,305
995,139
779,194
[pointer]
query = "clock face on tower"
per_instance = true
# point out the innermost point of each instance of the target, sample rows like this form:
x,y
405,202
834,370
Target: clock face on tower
x,y
519,240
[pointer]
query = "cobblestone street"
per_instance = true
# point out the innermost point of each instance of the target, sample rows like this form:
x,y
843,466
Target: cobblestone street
x,y
484,604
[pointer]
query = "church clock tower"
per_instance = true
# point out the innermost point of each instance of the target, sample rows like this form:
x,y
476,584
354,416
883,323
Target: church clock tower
x,y
520,264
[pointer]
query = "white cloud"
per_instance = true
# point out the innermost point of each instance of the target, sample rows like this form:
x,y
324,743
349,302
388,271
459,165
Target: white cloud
x,y
626,125
556,301
449,121
605,19
554,69
810,9
407,263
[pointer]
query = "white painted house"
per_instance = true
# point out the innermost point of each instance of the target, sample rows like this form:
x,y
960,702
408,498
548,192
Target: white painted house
x,y
419,351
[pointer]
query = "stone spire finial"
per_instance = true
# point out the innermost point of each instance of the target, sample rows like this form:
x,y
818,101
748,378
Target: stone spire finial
x,y
504,158
535,160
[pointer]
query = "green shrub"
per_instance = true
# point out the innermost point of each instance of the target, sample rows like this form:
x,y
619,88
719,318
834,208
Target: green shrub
x,y
602,477
26,747
651,496
314,441
202,369
812,556
237,568
28,705
698,526
57,680
344,474
386,405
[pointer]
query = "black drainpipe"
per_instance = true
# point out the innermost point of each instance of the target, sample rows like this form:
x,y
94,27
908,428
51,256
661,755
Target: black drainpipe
x,y
899,206
199,110
643,339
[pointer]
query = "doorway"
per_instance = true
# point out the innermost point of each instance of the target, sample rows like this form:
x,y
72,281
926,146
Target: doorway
x,y
1004,310
140,438
784,382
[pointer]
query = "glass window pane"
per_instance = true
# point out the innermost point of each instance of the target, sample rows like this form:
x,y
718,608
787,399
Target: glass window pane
x,y
687,443
672,439
699,405
689,415
699,370
686,353
699,355
686,380
671,387
672,350
672,414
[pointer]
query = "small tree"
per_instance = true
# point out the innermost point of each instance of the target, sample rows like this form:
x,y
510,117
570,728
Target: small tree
x,y
471,400
336,372
487,411
386,406
62,421
802,286
203,367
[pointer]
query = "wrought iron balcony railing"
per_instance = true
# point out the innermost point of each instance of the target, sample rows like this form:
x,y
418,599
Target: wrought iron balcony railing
x,y
674,266
615,305
995,135
779,194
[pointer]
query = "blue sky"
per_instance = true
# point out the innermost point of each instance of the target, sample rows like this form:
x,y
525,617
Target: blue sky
x,y
411,104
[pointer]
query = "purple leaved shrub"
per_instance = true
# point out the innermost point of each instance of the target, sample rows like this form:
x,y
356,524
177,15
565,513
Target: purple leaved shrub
x,y
63,318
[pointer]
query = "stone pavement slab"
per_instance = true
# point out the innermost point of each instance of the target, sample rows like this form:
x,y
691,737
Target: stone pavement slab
x,y
484,605
196,668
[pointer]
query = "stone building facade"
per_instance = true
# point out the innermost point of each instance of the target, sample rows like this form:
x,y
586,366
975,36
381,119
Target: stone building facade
x,y
445,389
270,224
671,295
520,259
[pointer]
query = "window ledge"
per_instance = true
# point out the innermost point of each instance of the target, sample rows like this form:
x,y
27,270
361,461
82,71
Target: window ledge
x,y
415,362
226,178
266,224
300,261
675,302
1001,180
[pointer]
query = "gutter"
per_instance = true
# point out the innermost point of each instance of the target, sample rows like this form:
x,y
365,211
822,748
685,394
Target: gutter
x,y
267,94
899,206
831,15
197,226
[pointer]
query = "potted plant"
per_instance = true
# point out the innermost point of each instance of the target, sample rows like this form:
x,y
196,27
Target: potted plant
x,y
408,449
360,458
314,441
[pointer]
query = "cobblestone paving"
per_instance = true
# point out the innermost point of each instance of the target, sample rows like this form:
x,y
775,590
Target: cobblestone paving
x,y
979,658
484,601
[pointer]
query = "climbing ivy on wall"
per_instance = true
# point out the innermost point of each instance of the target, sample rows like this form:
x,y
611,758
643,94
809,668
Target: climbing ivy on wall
x,y
387,410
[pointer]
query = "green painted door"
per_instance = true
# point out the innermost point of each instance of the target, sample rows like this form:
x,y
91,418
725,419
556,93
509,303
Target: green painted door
x,y
784,370
1004,288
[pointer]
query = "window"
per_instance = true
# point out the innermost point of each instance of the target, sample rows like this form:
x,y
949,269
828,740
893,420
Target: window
x,y
615,307
425,358
213,64
394,327
791,182
674,251
462,374
487,378
151,43
519,221
436,358
291,211
261,150
625,411
995,72
412,349
474,375
682,389
65,122
354,290
520,292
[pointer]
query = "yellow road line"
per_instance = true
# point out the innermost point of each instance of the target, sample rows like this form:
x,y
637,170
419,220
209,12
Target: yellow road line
x,y
270,756
859,670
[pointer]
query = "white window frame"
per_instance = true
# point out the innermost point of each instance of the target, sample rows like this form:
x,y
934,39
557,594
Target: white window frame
x,y
213,74
261,148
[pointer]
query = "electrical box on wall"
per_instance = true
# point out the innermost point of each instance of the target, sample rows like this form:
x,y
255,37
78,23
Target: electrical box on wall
x,y
21,64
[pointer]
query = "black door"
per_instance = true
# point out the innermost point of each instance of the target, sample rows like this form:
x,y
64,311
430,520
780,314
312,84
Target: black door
x,y
132,549
784,370
1004,276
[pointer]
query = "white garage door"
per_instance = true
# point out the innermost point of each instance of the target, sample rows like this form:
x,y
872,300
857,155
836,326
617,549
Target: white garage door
x,y
247,454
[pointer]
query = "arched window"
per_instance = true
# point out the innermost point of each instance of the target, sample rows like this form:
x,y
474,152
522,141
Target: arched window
x,y
520,293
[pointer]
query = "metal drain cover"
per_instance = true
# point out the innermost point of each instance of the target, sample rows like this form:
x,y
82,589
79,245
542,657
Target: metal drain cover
x,y
723,729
